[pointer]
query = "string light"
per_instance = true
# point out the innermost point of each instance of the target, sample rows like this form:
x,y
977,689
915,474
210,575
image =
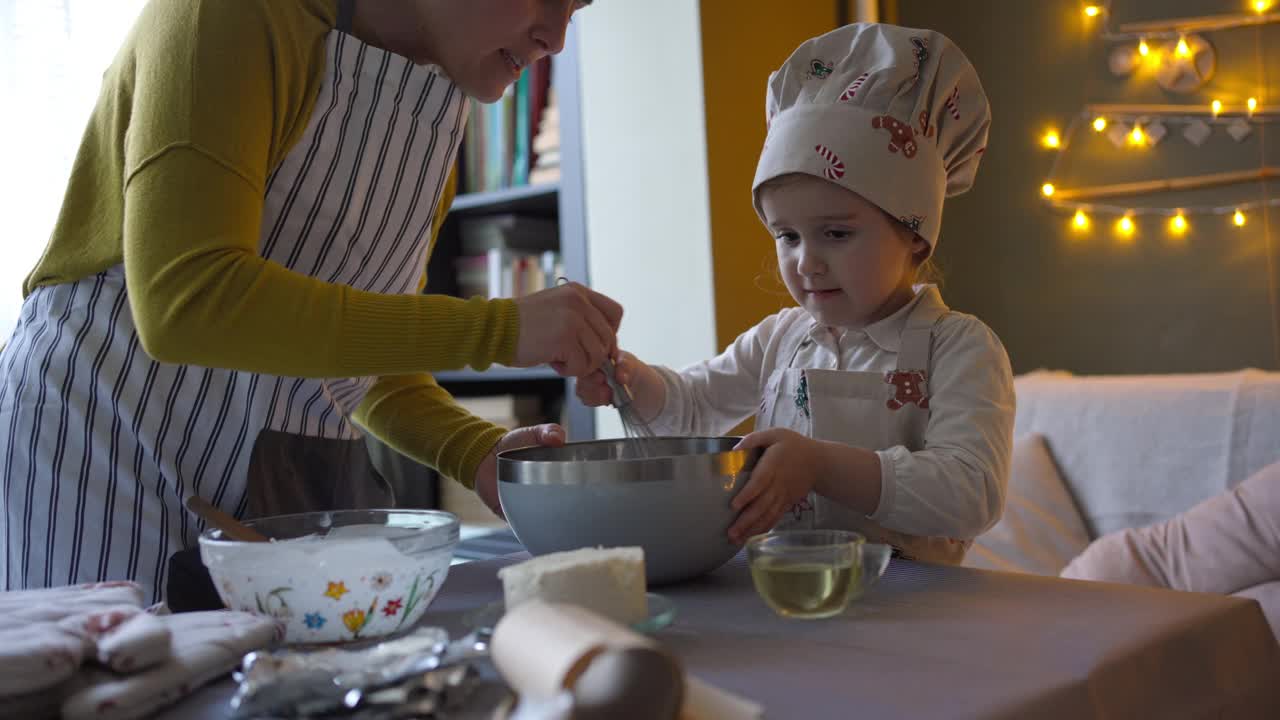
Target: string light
x,y
1193,25
1132,124
1125,226
1094,10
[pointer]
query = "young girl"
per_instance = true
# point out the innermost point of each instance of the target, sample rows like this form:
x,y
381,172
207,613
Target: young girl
x,y
878,408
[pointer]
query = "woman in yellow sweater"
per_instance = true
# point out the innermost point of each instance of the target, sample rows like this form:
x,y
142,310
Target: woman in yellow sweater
x,y
234,281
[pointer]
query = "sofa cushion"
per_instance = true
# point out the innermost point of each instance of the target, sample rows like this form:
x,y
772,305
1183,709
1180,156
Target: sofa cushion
x,y
1041,529
1136,450
1226,544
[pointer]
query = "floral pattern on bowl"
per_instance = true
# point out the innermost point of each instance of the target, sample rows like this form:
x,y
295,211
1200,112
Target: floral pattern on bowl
x,y
327,591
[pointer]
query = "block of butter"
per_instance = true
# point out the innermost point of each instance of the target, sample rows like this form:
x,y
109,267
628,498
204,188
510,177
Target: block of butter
x,y
609,582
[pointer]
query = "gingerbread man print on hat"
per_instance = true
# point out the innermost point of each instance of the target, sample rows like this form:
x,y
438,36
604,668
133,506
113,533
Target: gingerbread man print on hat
x,y
902,136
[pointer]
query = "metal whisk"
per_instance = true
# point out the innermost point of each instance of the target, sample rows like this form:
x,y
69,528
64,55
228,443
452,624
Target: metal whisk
x,y
635,426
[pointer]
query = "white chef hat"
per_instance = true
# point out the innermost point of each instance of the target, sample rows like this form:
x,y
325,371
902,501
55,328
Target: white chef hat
x,y
896,115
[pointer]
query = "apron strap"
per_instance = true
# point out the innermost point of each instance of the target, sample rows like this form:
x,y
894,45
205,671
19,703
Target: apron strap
x,y
346,13
917,337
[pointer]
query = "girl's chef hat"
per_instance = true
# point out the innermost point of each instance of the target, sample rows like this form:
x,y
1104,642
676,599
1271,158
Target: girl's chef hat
x,y
896,115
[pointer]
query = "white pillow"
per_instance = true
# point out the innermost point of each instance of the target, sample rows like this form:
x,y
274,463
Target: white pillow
x,y
1041,529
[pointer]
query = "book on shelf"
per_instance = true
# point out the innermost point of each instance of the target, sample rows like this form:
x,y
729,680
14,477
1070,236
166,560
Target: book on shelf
x,y
546,145
498,150
508,230
507,255
506,273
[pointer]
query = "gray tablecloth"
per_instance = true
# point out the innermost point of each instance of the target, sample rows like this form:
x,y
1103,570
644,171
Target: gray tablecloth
x,y
947,642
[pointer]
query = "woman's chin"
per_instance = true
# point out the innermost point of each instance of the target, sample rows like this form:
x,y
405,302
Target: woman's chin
x,y
485,90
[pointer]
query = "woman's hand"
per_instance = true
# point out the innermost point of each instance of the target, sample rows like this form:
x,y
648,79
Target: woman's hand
x,y
548,435
572,328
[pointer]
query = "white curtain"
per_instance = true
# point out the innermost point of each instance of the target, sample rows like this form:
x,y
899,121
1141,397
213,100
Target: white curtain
x,y
52,57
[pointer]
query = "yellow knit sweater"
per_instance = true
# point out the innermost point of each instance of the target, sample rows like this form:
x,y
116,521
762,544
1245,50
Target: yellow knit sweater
x,y
203,101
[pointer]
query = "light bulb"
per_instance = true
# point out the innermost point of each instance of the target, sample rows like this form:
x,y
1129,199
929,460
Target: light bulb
x,y
1094,10
1143,48
1238,219
1261,6
1051,140
1178,224
1252,103
1136,136
1183,49
1080,221
1099,124
1216,107
1047,189
1125,226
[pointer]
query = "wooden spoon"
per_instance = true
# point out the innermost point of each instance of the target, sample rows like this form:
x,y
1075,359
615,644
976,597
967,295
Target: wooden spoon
x,y
229,526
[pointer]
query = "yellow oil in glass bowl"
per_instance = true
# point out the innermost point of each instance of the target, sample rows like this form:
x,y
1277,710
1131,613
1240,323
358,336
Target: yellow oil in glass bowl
x,y
813,573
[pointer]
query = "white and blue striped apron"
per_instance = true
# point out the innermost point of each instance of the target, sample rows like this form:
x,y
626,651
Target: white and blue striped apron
x,y
101,445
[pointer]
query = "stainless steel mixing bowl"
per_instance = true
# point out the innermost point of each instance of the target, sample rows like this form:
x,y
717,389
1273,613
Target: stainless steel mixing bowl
x,y
673,501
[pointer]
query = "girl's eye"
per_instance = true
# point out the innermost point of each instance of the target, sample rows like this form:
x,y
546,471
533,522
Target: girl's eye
x,y
787,237
839,234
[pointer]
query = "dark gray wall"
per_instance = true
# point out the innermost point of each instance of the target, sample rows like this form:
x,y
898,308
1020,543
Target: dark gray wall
x,y
1088,302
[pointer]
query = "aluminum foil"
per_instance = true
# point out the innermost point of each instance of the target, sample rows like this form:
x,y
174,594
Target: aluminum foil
x,y
420,675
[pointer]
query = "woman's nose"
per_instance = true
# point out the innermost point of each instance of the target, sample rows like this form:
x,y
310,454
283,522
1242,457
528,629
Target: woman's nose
x,y
549,34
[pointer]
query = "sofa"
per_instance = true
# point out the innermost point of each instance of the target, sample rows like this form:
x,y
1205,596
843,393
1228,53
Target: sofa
x,y
1106,467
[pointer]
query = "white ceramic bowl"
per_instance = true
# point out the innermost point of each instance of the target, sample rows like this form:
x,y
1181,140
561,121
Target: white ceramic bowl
x,y
336,576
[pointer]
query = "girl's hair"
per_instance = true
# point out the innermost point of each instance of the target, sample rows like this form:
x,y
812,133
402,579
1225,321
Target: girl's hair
x,y
927,270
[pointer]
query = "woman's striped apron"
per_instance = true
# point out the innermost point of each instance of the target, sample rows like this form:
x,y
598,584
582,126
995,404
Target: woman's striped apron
x,y
100,444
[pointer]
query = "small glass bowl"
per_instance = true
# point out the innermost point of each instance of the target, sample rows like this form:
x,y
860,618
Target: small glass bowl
x,y
813,574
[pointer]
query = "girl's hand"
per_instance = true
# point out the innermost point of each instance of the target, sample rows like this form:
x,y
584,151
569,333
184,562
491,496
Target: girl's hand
x,y
593,390
785,474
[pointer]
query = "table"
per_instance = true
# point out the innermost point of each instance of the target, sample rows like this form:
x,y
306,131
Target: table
x,y
948,642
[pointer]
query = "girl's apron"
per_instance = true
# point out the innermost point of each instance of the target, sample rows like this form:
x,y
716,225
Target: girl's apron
x,y
101,444
871,410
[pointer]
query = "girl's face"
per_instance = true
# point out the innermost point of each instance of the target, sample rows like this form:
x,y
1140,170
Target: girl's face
x,y
842,258
483,45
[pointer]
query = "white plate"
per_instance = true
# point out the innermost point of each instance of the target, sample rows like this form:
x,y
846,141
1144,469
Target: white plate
x,y
661,614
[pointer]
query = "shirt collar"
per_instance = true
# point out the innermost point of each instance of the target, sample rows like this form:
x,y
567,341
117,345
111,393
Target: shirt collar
x,y
887,332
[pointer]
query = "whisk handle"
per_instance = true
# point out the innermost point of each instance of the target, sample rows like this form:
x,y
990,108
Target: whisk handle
x,y
621,393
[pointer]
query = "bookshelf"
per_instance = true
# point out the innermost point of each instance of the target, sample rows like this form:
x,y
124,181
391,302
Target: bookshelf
x,y
533,199
561,202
